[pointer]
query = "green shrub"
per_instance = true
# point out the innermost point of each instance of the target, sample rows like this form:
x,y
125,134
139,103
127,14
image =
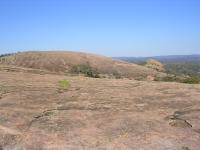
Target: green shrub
x,y
87,70
117,75
180,79
168,78
191,68
192,80
63,84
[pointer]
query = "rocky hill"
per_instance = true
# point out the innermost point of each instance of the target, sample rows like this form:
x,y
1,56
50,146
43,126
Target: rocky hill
x,y
62,61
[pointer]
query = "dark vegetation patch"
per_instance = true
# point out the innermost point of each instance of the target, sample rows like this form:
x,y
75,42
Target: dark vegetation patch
x,y
192,80
89,71
177,67
168,78
5,55
182,64
180,79
188,68
117,75
84,69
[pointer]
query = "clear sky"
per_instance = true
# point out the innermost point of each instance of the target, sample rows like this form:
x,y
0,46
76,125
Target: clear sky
x,y
108,27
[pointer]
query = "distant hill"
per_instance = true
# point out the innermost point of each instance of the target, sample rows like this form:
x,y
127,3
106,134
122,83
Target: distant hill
x,y
62,61
175,64
164,59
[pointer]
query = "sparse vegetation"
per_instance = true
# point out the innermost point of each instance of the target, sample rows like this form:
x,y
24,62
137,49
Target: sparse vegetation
x,y
4,55
63,85
168,78
180,79
187,68
178,65
117,75
192,80
85,69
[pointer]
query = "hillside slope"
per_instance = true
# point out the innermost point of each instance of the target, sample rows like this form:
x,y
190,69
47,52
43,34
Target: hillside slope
x,y
62,61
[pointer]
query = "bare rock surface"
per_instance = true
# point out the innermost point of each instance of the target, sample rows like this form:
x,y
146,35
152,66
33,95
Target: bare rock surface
x,y
102,114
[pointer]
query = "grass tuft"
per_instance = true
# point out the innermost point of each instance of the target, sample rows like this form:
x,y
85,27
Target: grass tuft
x,y
63,85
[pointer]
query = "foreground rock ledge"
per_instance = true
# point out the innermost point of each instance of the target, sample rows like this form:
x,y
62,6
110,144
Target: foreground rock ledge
x,y
95,113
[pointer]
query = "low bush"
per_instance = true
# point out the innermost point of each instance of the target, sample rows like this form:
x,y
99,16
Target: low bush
x,y
192,80
117,75
180,79
86,69
168,78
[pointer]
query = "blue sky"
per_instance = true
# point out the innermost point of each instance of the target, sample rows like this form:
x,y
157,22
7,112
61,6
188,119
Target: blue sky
x,y
108,27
